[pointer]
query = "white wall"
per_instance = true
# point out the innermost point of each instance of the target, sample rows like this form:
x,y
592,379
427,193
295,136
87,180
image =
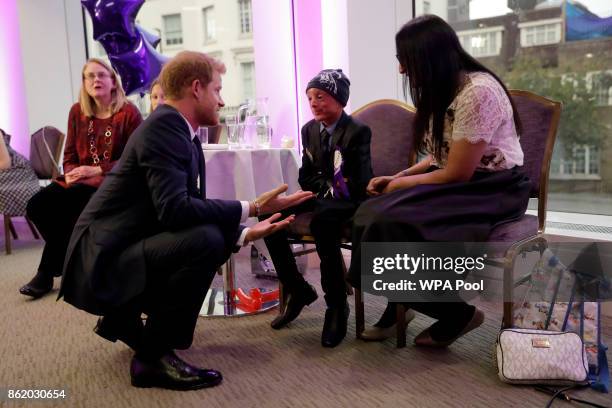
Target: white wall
x,y
53,52
372,66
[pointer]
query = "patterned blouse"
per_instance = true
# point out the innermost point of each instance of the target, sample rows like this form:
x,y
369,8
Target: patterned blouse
x,y
481,111
109,136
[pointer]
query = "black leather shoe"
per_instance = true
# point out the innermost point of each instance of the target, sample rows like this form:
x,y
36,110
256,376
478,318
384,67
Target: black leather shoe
x,y
37,287
172,373
334,328
130,334
295,304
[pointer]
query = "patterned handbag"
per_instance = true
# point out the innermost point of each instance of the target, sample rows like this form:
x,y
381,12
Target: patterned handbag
x,y
526,356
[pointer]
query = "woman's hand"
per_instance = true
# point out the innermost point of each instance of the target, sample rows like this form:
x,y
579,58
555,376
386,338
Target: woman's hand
x,y
377,185
82,172
400,183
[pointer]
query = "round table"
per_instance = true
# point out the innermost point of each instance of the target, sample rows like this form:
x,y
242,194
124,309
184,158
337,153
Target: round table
x,y
244,174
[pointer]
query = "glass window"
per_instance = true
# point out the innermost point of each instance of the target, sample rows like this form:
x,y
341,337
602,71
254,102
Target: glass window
x,y
574,67
248,79
209,24
543,34
173,29
485,44
601,85
211,28
246,21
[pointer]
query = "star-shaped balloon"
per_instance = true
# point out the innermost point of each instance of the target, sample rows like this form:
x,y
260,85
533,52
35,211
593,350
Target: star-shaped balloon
x,y
130,48
138,68
149,37
113,17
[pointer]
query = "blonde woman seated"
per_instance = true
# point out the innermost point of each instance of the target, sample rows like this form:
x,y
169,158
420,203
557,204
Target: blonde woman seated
x,y
99,125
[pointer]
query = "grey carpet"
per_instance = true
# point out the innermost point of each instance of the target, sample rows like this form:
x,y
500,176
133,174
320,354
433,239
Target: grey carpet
x,y
49,344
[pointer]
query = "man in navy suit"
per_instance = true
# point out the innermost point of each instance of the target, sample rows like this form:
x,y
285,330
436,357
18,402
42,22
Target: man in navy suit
x,y
150,241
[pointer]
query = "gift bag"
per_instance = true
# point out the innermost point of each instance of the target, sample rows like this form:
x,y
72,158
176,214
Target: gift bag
x,y
540,309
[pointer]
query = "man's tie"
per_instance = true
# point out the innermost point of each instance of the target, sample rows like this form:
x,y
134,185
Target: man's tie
x,y
325,137
199,168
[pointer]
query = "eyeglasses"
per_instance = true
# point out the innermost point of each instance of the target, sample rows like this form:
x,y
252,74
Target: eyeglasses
x,y
93,75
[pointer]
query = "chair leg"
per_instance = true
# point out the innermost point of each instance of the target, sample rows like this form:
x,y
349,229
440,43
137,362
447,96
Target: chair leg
x,y
12,227
32,228
7,234
359,313
400,309
349,288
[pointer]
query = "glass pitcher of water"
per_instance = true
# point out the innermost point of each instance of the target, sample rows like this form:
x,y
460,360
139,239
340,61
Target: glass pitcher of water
x,y
256,123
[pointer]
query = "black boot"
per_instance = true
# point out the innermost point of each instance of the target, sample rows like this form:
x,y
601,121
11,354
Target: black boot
x,y
296,300
334,328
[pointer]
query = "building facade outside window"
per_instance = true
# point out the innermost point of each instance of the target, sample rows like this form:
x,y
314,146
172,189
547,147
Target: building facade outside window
x,y
482,43
600,82
539,33
173,29
208,18
212,28
531,47
246,20
248,79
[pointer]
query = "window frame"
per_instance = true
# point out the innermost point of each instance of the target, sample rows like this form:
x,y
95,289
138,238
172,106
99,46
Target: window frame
x,y
170,35
530,29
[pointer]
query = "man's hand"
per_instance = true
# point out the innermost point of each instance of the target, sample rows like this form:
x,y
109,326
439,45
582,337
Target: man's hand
x,y
377,185
266,227
270,202
82,172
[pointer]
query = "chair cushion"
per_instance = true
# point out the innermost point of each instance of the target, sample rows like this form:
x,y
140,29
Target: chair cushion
x,y
514,231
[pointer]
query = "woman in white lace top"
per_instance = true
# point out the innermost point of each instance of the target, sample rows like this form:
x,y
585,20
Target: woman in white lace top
x,y
469,181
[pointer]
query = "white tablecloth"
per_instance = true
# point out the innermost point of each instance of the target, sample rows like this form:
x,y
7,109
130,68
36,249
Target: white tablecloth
x,y
245,174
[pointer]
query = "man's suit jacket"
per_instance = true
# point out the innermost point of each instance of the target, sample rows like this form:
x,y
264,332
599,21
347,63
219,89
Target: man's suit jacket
x,y
353,139
152,189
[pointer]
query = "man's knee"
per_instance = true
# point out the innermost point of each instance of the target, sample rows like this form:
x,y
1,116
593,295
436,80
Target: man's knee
x,y
211,246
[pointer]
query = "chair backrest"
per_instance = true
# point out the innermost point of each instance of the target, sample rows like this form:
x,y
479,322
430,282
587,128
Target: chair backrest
x,y
392,146
46,147
540,119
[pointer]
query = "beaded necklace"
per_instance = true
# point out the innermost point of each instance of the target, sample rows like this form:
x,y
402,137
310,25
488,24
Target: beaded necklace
x,y
108,141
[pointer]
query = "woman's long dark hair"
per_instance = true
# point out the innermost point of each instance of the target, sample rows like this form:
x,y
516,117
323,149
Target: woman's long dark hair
x,y
430,53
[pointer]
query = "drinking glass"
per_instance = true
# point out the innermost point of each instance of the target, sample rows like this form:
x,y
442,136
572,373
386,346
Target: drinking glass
x,y
203,135
235,133
264,134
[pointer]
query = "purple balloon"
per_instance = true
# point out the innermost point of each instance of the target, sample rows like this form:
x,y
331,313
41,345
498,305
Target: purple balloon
x,y
138,68
118,44
114,19
149,37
